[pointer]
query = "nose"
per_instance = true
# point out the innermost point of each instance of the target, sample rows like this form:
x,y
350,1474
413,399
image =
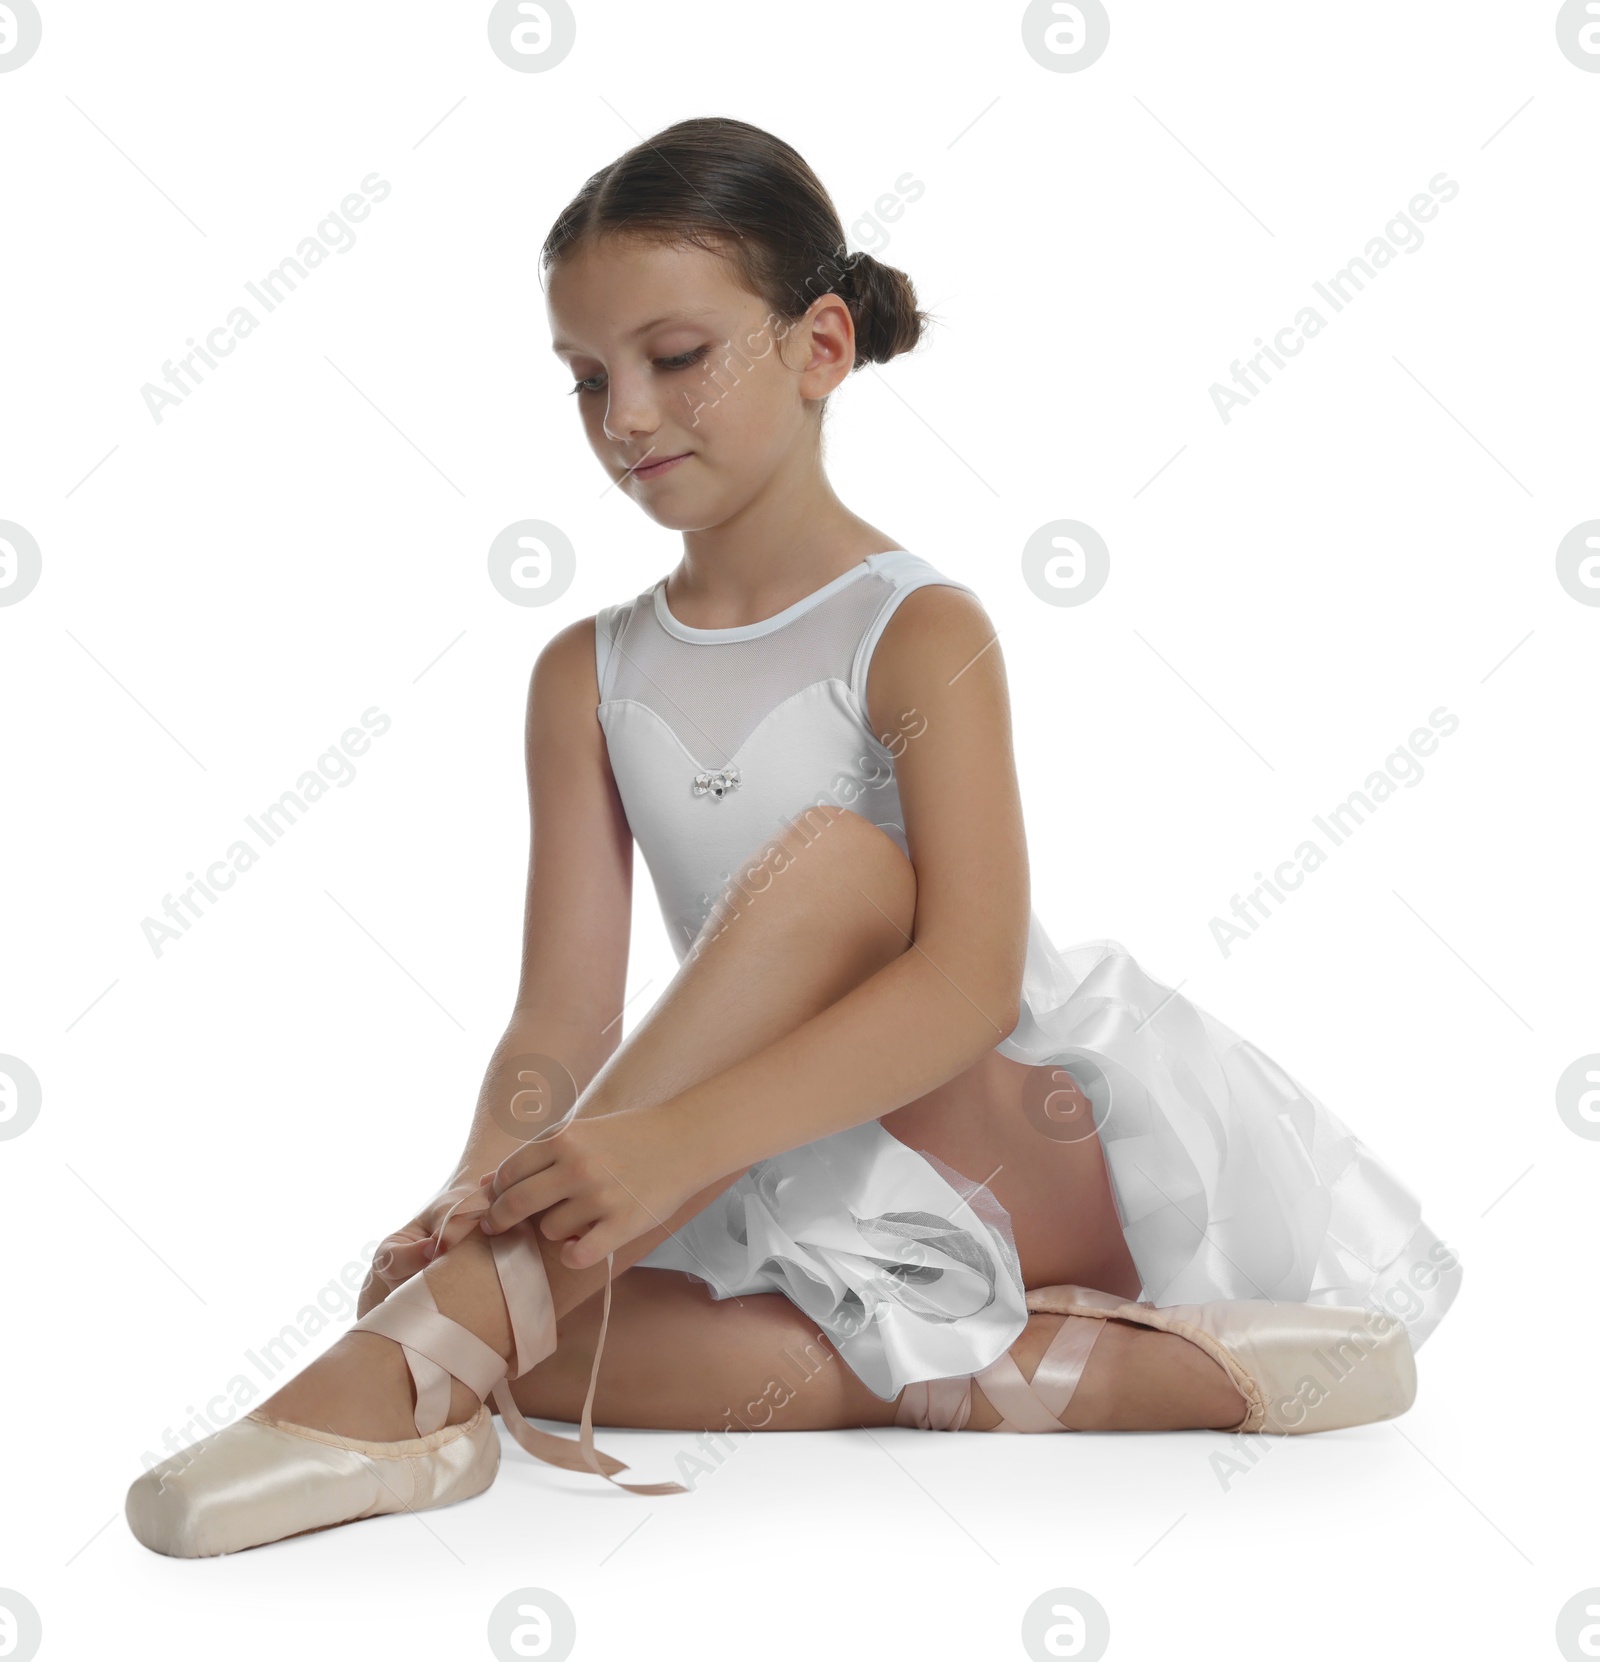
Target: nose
x,y
631,415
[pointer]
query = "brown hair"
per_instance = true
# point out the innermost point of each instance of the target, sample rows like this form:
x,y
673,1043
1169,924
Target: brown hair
x,y
739,191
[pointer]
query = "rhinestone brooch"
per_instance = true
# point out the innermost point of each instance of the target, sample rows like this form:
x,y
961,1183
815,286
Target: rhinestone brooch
x,y
717,783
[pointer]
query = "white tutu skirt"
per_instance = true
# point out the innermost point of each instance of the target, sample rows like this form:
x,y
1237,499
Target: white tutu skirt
x,y
1231,1182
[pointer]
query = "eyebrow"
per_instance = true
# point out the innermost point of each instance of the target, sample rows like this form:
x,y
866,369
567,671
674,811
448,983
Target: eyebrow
x,y
645,328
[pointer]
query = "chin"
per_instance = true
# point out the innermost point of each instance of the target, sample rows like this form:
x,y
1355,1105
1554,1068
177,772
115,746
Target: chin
x,y
677,516
682,520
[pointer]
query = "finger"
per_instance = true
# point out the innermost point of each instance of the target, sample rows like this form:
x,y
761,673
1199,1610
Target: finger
x,y
398,1259
569,1218
455,1231
525,1199
519,1165
593,1246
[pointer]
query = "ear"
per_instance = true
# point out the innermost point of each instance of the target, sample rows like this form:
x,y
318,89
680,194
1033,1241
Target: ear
x,y
822,346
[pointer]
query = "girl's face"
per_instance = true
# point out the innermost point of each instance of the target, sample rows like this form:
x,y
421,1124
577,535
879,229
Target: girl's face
x,y
694,397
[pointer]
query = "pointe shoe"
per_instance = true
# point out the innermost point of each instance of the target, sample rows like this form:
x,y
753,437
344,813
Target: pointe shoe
x,y
263,1479
1299,1367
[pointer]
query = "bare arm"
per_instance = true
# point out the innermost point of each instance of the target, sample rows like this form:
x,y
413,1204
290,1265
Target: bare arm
x,y
955,992
564,1021
576,917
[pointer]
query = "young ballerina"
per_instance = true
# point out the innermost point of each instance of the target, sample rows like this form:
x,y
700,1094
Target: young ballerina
x,y
878,1129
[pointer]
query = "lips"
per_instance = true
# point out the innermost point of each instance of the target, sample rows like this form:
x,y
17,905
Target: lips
x,y
653,469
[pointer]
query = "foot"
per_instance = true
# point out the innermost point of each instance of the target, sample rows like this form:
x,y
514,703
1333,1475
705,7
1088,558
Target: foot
x,y
361,1387
1136,1379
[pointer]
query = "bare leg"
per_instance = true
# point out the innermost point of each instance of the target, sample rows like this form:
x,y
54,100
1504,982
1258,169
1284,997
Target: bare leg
x,y
678,1359
759,1364
764,964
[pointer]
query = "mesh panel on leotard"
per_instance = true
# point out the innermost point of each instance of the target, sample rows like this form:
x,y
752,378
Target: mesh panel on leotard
x,y
713,694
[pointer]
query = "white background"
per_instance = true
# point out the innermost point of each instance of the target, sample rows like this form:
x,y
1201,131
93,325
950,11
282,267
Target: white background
x,y
227,1125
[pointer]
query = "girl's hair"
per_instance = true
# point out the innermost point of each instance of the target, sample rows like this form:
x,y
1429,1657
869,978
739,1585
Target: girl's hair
x,y
738,191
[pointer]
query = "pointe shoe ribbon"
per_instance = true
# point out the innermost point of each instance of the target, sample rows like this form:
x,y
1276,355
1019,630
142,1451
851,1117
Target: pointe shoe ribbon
x,y
1023,1404
437,1347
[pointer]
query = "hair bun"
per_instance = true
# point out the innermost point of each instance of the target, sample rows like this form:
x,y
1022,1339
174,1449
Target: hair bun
x,y
884,305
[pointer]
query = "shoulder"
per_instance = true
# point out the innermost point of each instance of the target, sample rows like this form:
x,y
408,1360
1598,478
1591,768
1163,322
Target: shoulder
x,y
938,608
564,684
564,658
571,664
919,599
931,626
938,644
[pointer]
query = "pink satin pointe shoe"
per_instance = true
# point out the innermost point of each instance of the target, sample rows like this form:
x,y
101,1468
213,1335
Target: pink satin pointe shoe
x,y
262,1479
1299,1367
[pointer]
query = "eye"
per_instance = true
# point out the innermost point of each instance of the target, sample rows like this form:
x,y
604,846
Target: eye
x,y
683,360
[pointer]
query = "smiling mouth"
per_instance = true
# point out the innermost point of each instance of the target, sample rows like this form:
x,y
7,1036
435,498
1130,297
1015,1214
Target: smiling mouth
x,y
648,470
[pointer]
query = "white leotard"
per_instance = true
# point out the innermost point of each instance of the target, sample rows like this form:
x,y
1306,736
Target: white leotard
x,y
783,701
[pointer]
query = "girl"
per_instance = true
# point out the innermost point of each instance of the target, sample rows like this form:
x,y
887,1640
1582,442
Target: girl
x,y
878,1132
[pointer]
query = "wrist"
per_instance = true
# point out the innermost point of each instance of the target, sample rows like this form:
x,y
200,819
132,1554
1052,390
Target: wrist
x,y
483,1153
682,1131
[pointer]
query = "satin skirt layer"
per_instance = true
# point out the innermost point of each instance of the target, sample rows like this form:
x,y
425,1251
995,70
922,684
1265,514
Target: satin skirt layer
x,y
909,1268
1230,1179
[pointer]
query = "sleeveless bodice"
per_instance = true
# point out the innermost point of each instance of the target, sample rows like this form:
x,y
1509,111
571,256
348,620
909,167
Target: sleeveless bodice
x,y
718,738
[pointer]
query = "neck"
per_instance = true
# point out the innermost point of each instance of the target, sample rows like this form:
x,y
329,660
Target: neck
x,y
769,554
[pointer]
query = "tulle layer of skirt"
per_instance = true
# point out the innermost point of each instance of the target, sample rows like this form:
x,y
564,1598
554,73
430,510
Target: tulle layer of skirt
x,y
1230,1179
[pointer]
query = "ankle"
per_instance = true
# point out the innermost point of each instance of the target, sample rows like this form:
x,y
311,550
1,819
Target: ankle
x,y
380,1374
466,1287
1026,1351
359,1387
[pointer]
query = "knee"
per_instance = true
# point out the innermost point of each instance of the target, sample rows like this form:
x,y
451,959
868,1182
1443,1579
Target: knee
x,y
845,840
823,848
828,865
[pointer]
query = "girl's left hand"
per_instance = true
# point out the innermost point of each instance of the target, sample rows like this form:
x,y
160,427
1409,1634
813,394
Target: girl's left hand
x,y
599,1182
